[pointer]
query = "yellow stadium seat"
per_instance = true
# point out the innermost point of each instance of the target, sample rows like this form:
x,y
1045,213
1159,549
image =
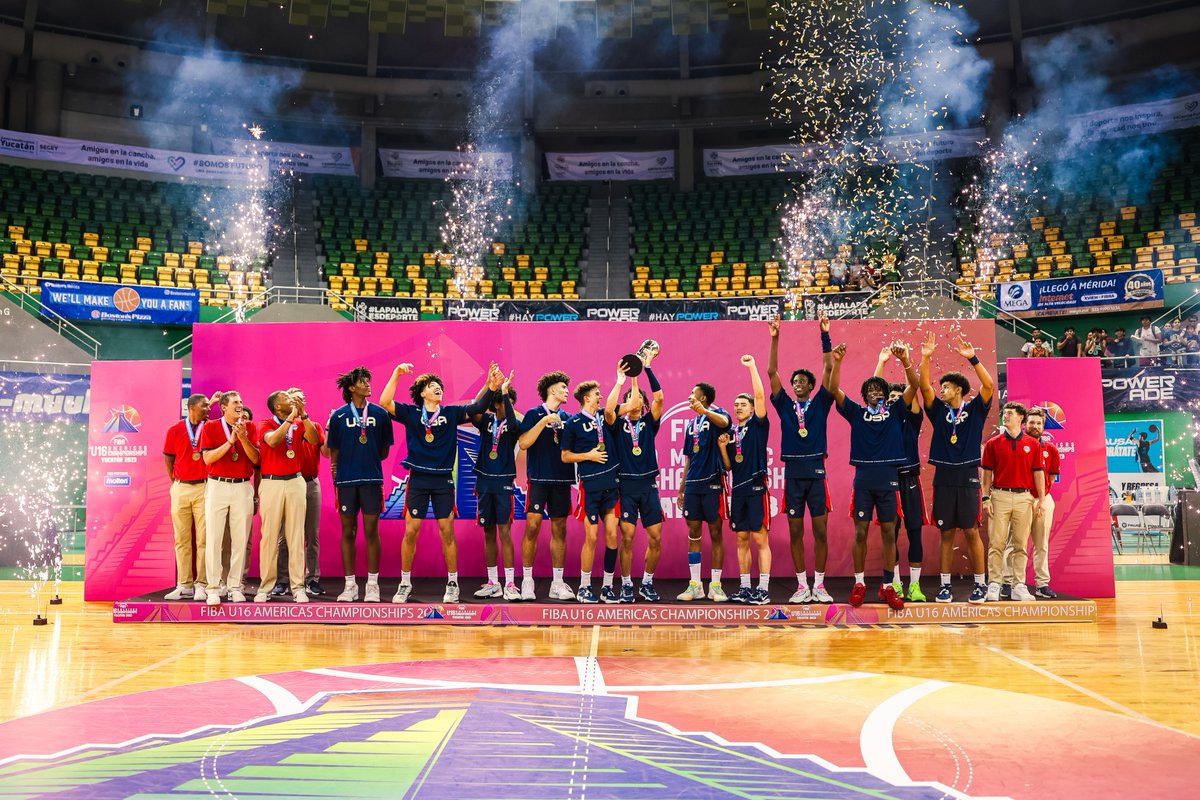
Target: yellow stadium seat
x,y
144,243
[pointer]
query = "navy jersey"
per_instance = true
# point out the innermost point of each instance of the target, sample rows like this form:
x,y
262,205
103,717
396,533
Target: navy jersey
x,y
813,445
875,439
700,447
583,434
499,436
971,419
358,462
748,473
627,435
912,436
420,426
543,461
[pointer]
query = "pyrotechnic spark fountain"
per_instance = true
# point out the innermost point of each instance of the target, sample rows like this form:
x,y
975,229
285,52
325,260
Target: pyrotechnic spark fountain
x,y
478,209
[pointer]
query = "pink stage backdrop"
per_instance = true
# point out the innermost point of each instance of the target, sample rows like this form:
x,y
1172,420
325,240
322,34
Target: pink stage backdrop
x,y
130,540
235,357
1081,561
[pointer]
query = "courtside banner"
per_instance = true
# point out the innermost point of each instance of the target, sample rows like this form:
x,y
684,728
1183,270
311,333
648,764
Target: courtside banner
x,y
130,157
117,302
650,166
130,538
460,352
1081,539
1136,119
44,397
1090,294
771,158
442,164
289,157
1153,387
402,309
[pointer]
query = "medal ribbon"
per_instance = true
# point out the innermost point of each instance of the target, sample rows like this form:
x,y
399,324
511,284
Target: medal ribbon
x,y
498,427
557,421
360,421
427,417
801,410
595,421
634,430
287,436
955,413
193,433
739,431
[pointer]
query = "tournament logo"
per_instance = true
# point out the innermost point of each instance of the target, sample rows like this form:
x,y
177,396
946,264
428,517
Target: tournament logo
x,y
123,419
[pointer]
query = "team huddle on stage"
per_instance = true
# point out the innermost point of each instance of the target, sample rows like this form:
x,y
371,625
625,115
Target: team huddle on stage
x,y
608,450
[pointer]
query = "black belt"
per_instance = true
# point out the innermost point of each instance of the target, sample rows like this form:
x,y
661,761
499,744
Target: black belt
x,y
190,483
1003,489
227,480
281,477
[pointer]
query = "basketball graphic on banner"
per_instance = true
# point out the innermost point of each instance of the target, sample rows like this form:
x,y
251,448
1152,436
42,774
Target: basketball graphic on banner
x,y
126,299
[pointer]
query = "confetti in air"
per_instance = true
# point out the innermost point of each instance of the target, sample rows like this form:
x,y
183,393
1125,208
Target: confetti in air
x,y
478,209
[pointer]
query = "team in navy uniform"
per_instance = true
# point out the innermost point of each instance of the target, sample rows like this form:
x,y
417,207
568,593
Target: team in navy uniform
x,y
495,477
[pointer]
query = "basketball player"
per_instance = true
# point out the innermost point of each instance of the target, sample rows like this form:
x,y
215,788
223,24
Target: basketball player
x,y
876,451
912,499
309,456
954,451
634,433
744,454
1035,425
360,436
431,436
803,451
188,475
495,472
1014,482
586,443
550,482
230,450
702,496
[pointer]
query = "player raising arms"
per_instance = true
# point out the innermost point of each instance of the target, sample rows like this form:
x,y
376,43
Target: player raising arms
x,y
955,450
702,496
495,471
633,434
912,499
431,435
744,453
804,448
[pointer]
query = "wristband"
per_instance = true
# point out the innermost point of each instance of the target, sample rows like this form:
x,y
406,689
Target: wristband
x,y
655,386
973,361
986,498
826,342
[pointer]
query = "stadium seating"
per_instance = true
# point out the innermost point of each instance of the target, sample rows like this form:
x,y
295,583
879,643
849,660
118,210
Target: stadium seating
x,y
387,242
73,226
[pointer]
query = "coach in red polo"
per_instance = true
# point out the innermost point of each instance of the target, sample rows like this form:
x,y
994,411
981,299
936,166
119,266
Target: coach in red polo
x,y
1014,482
229,447
188,473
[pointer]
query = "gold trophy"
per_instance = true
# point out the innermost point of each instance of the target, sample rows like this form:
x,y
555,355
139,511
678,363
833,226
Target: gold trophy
x,y
635,362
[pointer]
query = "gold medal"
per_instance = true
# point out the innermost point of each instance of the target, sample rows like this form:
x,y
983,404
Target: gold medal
x,y
195,456
738,458
291,453
637,451
696,447
954,438
600,446
429,437
803,432
234,456
362,438
493,455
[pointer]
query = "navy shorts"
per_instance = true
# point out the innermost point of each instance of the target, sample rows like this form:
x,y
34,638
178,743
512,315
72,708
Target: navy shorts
x,y
881,501
912,501
494,508
956,507
704,506
749,512
425,490
364,497
595,503
641,501
810,493
551,500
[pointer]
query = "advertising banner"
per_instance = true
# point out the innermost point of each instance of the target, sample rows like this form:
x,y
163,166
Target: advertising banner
x,y
840,305
649,166
289,157
460,352
1136,119
1080,540
442,164
117,302
130,157
387,309
130,539
1085,294
40,397
741,308
1154,387
1136,458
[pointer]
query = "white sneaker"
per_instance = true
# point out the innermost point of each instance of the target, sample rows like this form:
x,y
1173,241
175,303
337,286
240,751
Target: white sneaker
x,y
528,591
716,593
402,593
993,593
821,595
222,591
371,594
490,589
694,591
261,597
180,593
350,595
200,594
451,595
300,596
560,591
802,595
1021,592
511,592
213,599
235,596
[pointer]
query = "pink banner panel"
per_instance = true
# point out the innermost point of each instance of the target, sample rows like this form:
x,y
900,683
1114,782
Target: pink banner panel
x,y
313,354
1081,560
130,541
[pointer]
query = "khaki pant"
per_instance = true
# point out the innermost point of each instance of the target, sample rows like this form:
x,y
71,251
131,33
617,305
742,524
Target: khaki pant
x,y
1012,517
312,537
187,509
1040,533
232,503
281,506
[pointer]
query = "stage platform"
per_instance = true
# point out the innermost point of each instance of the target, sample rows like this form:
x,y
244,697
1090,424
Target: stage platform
x,y
426,608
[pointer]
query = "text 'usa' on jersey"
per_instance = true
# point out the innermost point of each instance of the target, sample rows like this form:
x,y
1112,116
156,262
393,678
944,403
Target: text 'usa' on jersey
x,y
700,447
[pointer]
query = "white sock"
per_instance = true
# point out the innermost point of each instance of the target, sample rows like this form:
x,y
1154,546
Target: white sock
x,y
508,575
493,574
647,577
801,580
945,579
914,574
818,578
626,580
451,577
585,579
351,581
406,577
764,581
608,579
979,578
860,577
745,580
716,576
372,579
694,569
527,572
558,574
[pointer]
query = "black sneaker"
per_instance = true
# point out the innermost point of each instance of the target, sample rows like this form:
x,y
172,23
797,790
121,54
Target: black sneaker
x,y
1046,593
279,590
313,587
1006,592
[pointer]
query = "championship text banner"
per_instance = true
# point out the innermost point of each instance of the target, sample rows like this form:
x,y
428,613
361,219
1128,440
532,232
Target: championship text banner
x,y
1080,540
401,309
649,166
289,157
1151,388
38,397
117,302
442,164
130,538
1092,294
459,352
130,157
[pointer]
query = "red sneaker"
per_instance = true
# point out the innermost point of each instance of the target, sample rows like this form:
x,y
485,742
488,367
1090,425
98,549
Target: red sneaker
x,y
887,593
858,594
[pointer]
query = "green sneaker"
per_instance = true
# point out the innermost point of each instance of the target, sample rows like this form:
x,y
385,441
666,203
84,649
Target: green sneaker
x,y
914,593
898,586
694,591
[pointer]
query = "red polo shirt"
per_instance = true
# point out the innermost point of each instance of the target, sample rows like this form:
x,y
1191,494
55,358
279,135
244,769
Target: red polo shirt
x,y
213,437
1013,461
177,444
274,459
310,454
1053,461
